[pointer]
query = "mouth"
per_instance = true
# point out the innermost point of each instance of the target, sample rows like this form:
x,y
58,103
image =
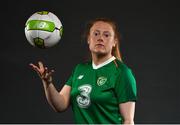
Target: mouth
x,y
99,45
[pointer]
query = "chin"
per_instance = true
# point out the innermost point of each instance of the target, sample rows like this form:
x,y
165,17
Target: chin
x,y
100,53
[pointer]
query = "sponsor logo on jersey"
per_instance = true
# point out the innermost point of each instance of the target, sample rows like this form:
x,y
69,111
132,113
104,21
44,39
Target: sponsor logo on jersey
x,y
83,99
101,80
80,76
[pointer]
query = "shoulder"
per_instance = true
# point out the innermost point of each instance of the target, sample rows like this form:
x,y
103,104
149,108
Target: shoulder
x,y
83,65
121,66
123,69
125,75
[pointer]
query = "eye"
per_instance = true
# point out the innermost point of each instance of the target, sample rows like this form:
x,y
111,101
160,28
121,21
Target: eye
x,y
106,35
96,33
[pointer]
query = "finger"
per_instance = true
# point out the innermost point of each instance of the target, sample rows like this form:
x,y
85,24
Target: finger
x,y
34,66
45,73
45,70
50,73
41,66
49,76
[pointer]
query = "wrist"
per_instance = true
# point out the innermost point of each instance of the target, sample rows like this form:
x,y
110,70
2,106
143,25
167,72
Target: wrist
x,y
46,83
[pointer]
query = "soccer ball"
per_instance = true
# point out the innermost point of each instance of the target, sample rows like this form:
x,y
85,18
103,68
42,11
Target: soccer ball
x,y
43,29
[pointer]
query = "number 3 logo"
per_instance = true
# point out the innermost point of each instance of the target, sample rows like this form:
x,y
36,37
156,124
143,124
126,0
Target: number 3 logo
x,y
83,99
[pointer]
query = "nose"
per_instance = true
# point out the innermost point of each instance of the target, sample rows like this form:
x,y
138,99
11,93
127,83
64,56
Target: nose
x,y
100,40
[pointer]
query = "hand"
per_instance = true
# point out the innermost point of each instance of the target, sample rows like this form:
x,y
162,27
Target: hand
x,y
43,72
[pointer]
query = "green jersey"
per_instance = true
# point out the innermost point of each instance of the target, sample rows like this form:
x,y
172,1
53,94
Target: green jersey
x,y
97,91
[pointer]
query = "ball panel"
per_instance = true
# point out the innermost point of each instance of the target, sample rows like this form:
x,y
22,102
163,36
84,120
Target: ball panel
x,y
53,40
32,33
29,37
61,31
36,16
39,42
43,12
44,34
56,20
40,25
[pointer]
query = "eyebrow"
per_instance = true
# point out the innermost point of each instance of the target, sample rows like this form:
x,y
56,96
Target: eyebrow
x,y
103,32
97,31
106,32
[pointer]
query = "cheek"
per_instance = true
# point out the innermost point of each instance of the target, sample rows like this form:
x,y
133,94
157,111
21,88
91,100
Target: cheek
x,y
91,44
110,45
91,41
110,42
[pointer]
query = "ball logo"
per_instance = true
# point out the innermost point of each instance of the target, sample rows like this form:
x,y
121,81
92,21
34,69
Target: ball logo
x,y
42,25
83,99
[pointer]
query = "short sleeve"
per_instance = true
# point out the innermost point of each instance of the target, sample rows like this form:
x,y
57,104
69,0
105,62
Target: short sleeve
x,y
125,86
70,80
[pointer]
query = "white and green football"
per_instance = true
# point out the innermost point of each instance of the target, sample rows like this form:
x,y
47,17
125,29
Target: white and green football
x,y
43,29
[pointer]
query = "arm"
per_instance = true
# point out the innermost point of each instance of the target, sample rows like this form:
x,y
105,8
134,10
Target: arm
x,y
127,110
59,101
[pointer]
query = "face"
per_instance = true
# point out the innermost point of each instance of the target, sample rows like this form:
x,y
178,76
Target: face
x,y
101,39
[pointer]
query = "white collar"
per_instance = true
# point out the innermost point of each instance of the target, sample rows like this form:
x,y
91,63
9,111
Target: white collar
x,y
103,64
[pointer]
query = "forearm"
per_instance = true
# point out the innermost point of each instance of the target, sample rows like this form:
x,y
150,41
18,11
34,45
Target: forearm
x,y
127,111
129,122
54,98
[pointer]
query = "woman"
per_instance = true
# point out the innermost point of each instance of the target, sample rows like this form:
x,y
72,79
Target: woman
x,y
102,90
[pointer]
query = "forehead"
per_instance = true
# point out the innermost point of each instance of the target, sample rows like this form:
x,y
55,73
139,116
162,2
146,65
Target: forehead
x,y
101,26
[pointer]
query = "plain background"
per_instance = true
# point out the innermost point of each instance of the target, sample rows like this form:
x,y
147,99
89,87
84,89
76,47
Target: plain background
x,y
149,46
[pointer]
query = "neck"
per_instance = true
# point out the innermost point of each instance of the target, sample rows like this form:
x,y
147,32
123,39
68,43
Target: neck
x,y
98,59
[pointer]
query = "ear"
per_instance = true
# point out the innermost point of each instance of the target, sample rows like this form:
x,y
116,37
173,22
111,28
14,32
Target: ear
x,y
115,42
88,40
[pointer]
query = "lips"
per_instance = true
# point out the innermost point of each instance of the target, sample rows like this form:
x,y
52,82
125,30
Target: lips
x,y
99,45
